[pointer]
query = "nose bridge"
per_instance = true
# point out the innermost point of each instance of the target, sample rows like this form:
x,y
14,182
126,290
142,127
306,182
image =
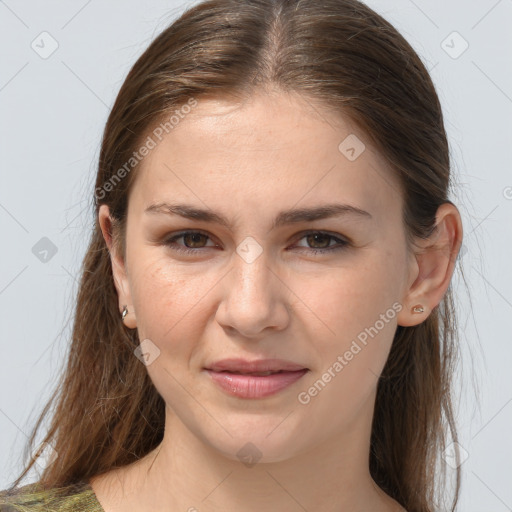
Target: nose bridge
x,y
252,269
252,298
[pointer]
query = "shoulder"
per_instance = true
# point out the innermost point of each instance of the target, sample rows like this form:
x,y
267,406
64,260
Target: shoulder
x,y
13,497
32,498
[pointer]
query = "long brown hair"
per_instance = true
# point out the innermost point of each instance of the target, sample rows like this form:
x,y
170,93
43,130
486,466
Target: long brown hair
x,y
107,413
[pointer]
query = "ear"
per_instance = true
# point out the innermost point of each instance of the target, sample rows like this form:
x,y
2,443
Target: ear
x,y
118,267
432,266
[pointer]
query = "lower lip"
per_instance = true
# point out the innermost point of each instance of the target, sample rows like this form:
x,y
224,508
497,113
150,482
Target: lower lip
x,y
255,386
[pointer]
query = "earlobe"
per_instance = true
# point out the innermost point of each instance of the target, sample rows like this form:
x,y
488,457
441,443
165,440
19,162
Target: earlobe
x,y
413,315
118,270
435,265
128,317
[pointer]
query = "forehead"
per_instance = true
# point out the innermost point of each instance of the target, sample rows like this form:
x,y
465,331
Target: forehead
x,y
269,149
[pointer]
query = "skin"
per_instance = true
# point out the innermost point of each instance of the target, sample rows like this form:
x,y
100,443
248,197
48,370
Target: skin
x,y
248,161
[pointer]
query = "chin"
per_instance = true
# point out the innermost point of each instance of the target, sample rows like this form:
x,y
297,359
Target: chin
x,y
252,447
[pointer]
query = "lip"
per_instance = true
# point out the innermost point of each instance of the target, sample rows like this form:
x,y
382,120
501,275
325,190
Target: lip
x,y
260,365
254,386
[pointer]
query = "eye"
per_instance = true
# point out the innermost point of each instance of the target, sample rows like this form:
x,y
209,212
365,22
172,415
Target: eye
x,y
192,240
323,239
195,240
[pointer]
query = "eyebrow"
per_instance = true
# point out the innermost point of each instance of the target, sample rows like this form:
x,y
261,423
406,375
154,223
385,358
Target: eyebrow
x,y
284,217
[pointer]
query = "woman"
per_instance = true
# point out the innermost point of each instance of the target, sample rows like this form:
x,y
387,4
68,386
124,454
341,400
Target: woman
x,y
265,319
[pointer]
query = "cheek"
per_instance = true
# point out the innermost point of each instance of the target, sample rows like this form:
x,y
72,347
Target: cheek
x,y
358,314
352,312
173,305
351,297
162,297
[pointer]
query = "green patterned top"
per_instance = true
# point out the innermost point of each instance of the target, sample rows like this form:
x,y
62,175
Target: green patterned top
x,y
29,498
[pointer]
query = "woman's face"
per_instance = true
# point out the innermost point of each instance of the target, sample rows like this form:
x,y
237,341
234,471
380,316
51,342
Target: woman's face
x,y
256,283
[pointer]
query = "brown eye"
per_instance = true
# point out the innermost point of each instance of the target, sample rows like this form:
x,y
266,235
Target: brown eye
x,y
193,242
193,239
319,238
320,242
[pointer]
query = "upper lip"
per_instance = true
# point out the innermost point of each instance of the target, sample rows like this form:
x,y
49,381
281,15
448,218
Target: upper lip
x,y
260,365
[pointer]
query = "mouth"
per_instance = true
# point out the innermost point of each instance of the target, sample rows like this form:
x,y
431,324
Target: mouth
x,y
259,374
260,367
255,384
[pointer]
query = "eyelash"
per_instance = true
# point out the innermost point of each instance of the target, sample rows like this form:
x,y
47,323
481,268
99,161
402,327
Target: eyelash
x,y
170,242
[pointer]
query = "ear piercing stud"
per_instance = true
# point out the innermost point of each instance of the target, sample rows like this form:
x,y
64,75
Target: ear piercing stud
x,y
416,309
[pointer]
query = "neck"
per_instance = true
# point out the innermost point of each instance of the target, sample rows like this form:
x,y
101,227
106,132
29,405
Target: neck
x,y
186,473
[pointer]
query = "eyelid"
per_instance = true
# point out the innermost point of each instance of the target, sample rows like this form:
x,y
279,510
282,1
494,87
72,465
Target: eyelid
x,y
180,234
337,236
342,241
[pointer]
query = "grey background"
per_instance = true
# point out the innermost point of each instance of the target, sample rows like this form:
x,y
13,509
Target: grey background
x,y
53,112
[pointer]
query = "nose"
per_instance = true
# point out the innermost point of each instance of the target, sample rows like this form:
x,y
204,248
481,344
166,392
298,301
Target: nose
x,y
254,298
